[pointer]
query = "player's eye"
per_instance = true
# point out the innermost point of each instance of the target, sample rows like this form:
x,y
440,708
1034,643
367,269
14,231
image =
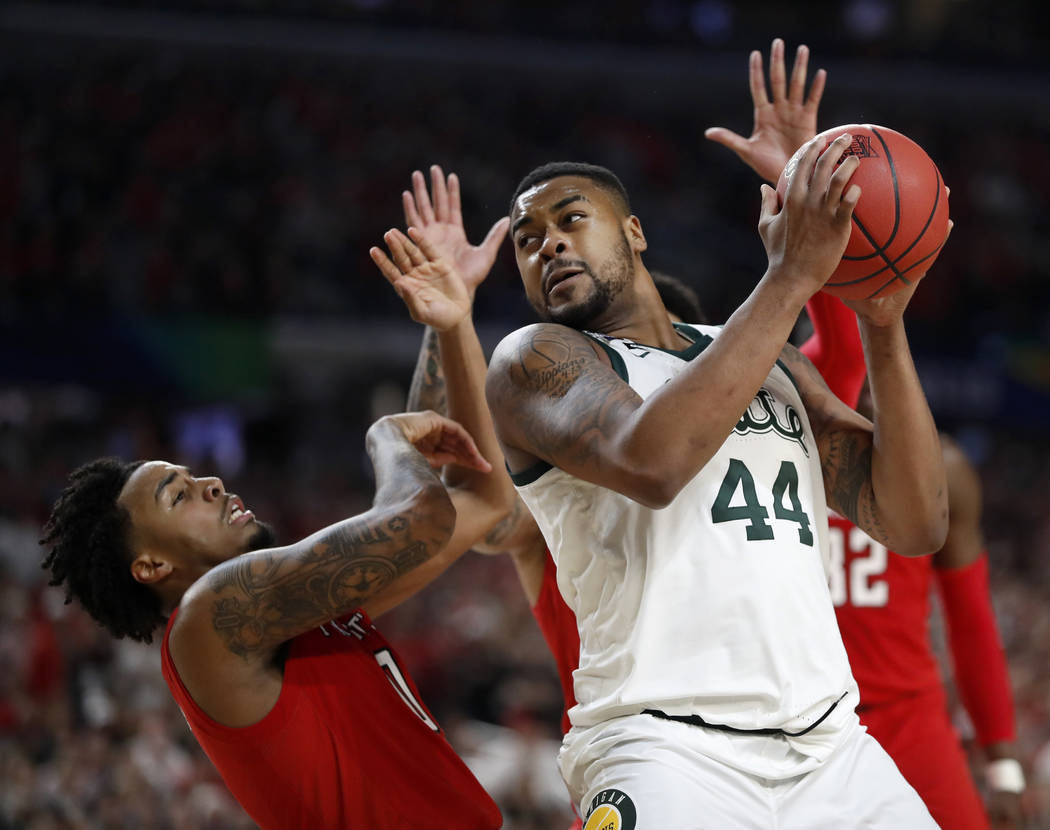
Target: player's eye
x,y
179,496
526,239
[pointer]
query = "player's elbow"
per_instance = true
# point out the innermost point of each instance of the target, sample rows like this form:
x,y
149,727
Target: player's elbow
x,y
926,536
654,489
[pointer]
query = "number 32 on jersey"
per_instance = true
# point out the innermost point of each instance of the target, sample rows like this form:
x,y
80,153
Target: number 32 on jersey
x,y
855,580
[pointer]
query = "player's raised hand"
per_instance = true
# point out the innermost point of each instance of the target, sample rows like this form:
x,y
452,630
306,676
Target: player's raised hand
x,y
440,440
782,124
439,218
431,287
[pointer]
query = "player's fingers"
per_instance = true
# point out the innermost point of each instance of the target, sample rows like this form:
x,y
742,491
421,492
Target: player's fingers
x,y
454,206
494,238
396,242
757,80
727,138
386,267
412,250
797,87
827,164
816,90
769,207
428,253
439,193
840,177
800,179
458,442
408,204
777,73
419,188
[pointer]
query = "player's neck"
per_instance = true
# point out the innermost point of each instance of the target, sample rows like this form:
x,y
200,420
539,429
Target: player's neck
x,y
648,326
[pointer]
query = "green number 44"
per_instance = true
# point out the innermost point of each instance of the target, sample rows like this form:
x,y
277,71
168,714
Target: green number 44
x,y
739,477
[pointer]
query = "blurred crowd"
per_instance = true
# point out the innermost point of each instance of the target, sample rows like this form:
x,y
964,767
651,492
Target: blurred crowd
x,y
163,211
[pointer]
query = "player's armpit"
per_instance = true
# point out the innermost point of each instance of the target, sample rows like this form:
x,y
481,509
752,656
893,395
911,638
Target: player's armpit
x,y
554,397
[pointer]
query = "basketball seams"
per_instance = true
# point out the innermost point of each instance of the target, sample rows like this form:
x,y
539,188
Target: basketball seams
x,y
881,250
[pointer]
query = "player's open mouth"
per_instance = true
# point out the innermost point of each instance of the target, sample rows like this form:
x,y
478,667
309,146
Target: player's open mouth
x,y
556,278
238,514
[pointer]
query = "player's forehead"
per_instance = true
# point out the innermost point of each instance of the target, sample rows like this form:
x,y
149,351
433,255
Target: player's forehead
x,y
146,484
552,194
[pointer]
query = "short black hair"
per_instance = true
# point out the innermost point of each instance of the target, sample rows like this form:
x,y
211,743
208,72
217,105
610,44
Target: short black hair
x,y
680,299
603,176
88,532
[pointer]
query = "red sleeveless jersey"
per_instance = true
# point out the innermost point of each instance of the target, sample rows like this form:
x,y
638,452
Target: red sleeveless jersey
x,y
882,602
348,743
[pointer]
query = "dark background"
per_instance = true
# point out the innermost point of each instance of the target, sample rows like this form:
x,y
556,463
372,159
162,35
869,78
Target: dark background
x,y
188,191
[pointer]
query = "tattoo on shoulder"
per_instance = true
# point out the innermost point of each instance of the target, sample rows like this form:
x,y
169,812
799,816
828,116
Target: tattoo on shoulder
x,y
557,366
551,364
265,598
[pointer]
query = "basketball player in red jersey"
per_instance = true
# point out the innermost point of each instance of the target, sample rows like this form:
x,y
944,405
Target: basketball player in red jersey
x,y
269,651
883,600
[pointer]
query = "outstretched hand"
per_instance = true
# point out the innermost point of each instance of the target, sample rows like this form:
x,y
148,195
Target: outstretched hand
x,y
781,125
440,440
431,287
439,219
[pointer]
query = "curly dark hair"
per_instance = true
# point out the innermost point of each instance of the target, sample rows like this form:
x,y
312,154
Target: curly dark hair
x,y
88,535
602,176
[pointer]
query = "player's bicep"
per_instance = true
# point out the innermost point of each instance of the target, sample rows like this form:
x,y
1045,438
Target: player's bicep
x,y
554,398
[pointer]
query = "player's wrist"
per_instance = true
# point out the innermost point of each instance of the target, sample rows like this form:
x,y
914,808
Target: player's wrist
x,y
1004,775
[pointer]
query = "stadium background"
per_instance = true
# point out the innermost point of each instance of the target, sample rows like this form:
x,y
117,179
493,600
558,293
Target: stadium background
x,y
187,194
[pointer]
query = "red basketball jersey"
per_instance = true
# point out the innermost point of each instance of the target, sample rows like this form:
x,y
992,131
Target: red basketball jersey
x,y
882,602
558,624
348,744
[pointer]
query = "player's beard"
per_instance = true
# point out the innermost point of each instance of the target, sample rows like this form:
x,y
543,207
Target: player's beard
x,y
263,537
615,276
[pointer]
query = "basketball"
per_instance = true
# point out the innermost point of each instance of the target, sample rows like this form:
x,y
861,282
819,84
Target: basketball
x,y
901,220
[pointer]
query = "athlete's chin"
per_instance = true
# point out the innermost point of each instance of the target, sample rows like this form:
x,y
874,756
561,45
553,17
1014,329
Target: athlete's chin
x,y
578,315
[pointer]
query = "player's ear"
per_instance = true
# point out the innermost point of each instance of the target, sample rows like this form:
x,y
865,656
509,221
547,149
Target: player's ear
x,y
632,228
148,569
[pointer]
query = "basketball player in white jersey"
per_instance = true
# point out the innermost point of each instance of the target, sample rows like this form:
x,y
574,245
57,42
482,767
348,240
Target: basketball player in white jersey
x,y
678,474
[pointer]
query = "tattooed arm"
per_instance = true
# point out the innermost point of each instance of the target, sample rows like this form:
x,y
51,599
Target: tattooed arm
x,y
232,622
427,389
887,477
517,533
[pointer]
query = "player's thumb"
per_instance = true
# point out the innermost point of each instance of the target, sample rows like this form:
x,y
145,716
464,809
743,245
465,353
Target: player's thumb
x,y
727,138
494,238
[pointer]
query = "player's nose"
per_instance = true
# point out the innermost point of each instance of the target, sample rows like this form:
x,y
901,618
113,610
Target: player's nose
x,y
212,487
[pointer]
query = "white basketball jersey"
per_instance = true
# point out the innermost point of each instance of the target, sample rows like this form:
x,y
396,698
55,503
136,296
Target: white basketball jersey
x,y
717,605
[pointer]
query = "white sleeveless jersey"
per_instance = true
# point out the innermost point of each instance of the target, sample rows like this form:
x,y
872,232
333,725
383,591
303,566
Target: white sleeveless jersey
x,y
717,605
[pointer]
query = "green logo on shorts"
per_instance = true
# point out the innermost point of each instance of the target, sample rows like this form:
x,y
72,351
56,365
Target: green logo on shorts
x,y
611,810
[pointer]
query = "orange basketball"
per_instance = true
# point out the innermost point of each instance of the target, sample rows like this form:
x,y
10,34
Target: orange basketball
x,y
901,220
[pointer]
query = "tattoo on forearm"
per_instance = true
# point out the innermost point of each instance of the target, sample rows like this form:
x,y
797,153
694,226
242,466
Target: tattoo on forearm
x,y
427,390
847,476
508,526
265,599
